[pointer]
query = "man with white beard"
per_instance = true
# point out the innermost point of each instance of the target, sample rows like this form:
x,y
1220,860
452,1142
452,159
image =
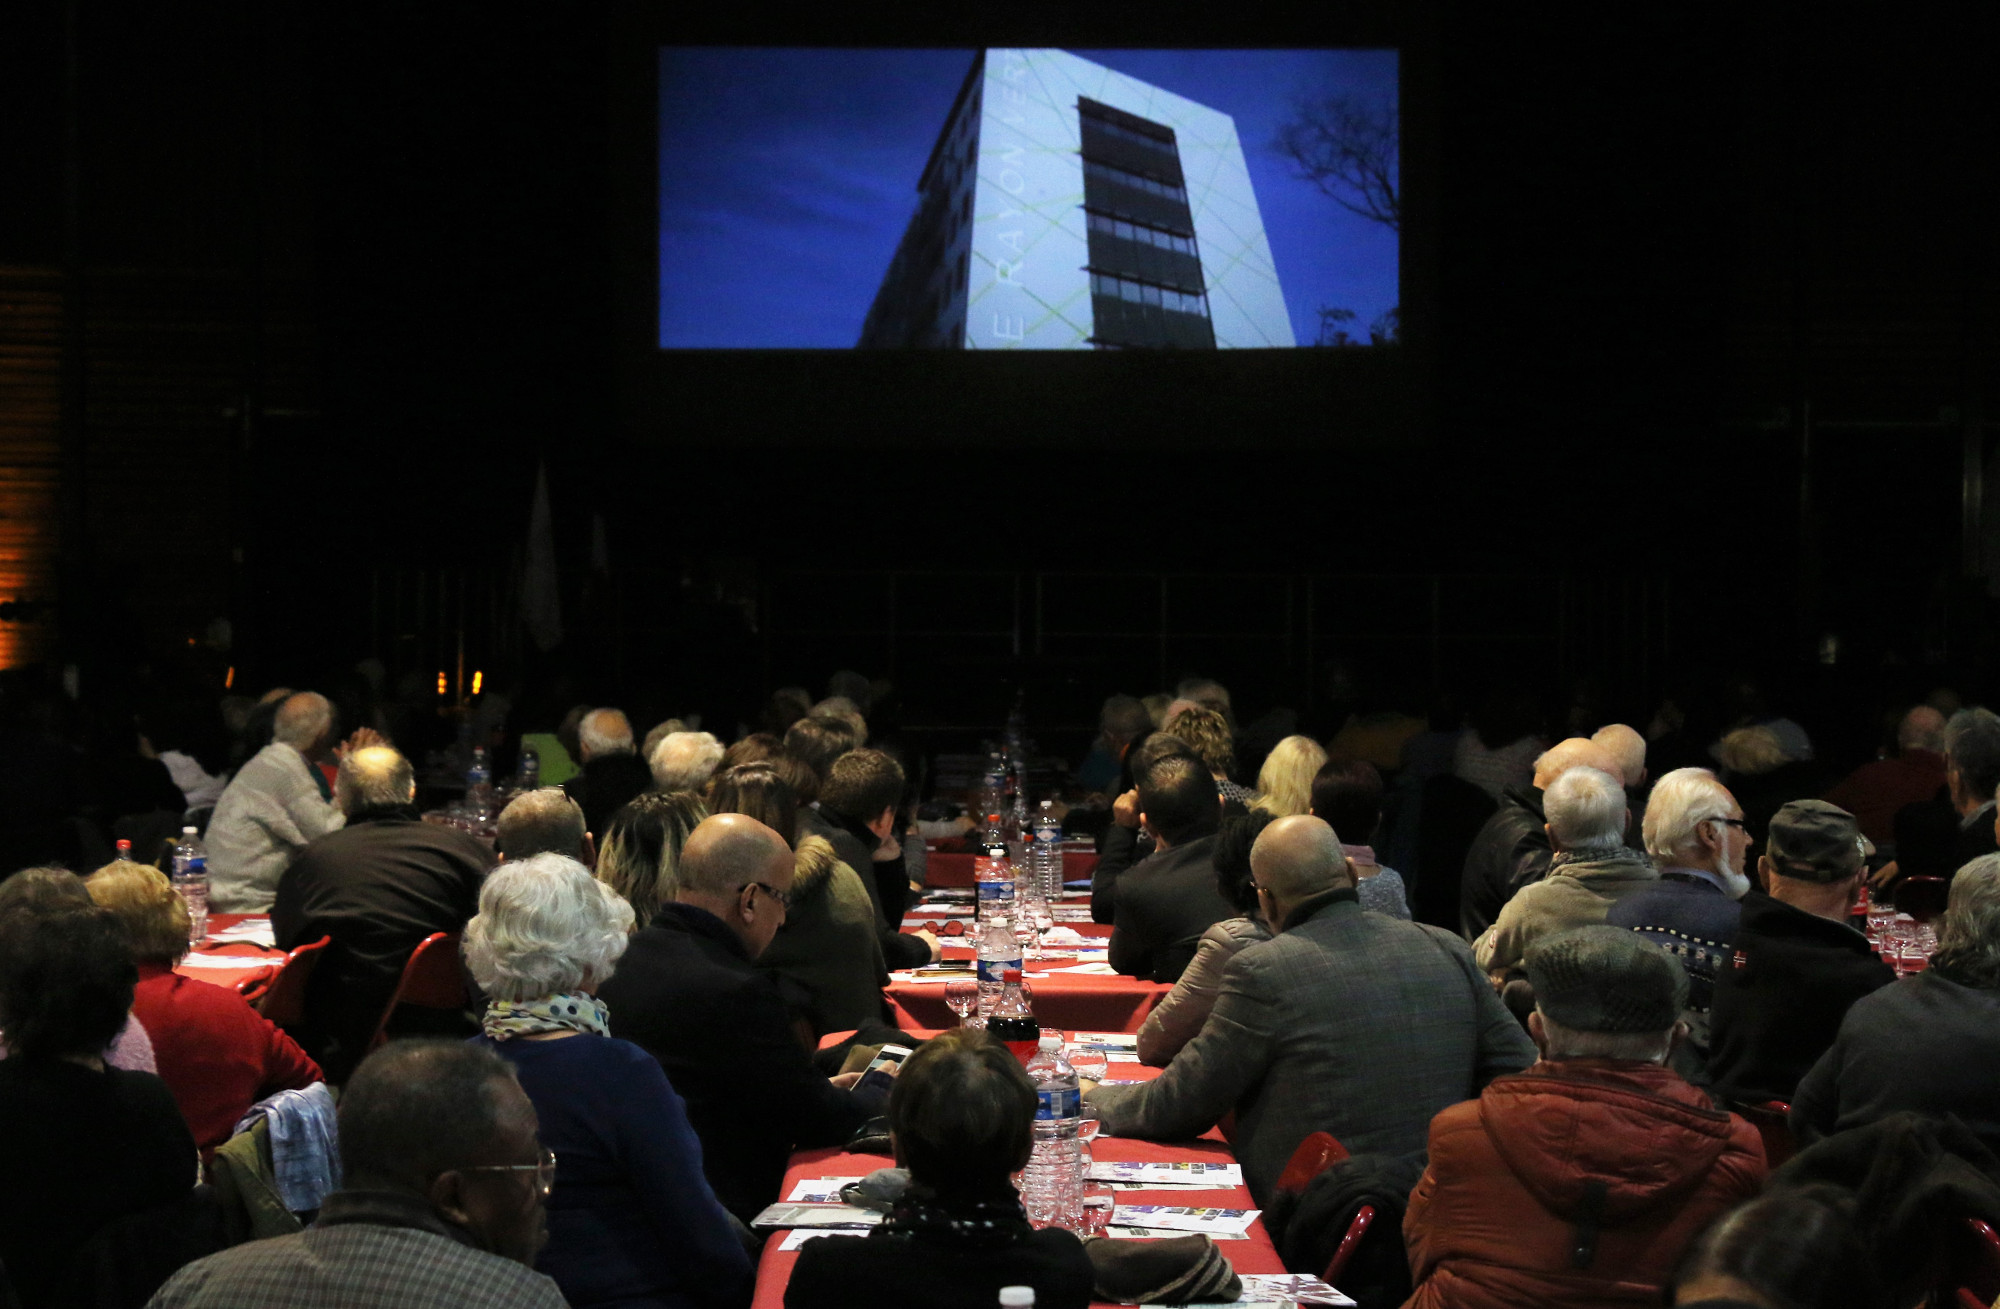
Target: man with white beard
x,y
1694,832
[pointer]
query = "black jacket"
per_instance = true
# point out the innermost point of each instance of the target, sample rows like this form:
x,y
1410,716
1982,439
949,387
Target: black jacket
x,y
607,782
1510,852
1165,902
378,887
1934,840
1780,1001
855,846
1123,847
895,1268
688,993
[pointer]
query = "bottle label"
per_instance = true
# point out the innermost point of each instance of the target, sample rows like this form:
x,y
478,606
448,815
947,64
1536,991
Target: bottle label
x,y
195,867
1055,1103
996,890
994,970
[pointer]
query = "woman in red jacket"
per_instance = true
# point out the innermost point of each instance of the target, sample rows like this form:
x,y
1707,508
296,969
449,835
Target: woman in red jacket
x,y
216,1054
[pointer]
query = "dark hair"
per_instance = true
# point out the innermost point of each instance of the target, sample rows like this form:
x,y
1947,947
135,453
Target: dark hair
x,y
757,790
414,1109
1348,796
1972,743
42,891
1147,751
541,821
66,981
1232,857
756,748
1795,1247
963,1113
816,742
1177,795
861,784
786,706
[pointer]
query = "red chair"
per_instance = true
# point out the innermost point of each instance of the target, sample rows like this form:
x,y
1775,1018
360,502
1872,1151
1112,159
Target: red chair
x,y
1773,1121
1317,1153
1976,1267
1922,898
284,1000
1363,1219
431,980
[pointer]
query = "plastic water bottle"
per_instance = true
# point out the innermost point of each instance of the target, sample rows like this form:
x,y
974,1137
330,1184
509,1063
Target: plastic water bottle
x,y
1052,1183
999,954
1013,1023
1046,858
993,874
479,784
191,880
993,785
531,769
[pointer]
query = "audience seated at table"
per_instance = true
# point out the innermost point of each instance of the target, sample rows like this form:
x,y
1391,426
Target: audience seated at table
x,y
1592,869
642,848
688,990
445,1180
34,891
1579,1181
1797,1248
1168,899
612,772
85,1143
215,1053
632,1221
1799,965
543,821
1179,1017
1346,1022
276,805
1512,848
961,1115
1349,796
377,887
826,957
1929,1043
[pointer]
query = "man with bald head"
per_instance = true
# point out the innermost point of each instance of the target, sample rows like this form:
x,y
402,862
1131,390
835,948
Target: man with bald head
x,y
688,991
377,886
276,803
1512,850
1346,1022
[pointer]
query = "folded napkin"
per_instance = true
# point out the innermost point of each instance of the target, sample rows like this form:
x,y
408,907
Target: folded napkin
x,y
1179,1270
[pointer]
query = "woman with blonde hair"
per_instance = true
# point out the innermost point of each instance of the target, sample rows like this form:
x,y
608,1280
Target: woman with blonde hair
x,y
641,847
1284,783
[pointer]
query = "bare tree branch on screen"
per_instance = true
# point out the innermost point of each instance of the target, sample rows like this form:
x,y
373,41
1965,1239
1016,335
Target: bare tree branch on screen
x,y
1349,148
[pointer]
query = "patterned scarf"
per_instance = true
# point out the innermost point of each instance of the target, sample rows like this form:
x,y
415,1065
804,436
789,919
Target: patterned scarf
x,y
571,1011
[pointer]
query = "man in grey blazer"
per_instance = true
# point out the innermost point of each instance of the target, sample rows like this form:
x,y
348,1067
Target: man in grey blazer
x,y
1345,1022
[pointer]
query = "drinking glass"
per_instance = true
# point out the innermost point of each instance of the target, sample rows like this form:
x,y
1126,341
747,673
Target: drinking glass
x,y
962,995
1086,1132
1099,1202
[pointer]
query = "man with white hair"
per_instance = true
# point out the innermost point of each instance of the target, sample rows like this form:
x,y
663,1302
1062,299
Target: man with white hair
x,y
1915,773
684,761
1695,834
1592,869
1346,1022
276,803
1627,749
377,886
612,773
1512,849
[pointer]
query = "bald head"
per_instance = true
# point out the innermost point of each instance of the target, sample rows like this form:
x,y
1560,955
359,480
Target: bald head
x,y
1296,858
1625,746
1576,752
604,732
374,777
1921,729
303,722
727,852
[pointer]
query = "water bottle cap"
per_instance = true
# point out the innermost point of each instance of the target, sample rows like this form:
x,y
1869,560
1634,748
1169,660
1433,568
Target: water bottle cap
x,y
1017,1295
188,831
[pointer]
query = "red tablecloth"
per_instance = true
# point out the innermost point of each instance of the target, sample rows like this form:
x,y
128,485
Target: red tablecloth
x,y
1255,1254
259,964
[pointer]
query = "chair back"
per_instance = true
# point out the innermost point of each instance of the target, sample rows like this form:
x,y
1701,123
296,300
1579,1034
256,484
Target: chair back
x,y
284,1000
1317,1153
1922,898
431,980
1773,1121
1357,1227
1976,1263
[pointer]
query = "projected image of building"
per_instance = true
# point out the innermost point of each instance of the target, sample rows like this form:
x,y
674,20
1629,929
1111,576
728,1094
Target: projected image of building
x,y
1066,206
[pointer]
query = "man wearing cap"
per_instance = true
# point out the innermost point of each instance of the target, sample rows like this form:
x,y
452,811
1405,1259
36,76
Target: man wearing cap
x,y
1580,1181
1798,963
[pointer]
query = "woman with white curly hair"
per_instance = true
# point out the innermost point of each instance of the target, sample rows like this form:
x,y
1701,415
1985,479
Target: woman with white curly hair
x,y
632,1220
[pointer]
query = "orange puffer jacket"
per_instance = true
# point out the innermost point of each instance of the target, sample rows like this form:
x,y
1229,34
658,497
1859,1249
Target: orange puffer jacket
x,y
1575,1183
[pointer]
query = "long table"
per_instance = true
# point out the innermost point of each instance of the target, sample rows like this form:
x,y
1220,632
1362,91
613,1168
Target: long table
x,y
242,966
1253,1254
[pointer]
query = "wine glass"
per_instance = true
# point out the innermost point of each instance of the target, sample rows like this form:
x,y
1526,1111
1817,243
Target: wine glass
x,y
1090,1065
962,995
1099,1202
1086,1132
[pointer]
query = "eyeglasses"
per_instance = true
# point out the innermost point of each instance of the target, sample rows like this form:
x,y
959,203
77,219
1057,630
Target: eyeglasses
x,y
545,1171
1736,823
784,898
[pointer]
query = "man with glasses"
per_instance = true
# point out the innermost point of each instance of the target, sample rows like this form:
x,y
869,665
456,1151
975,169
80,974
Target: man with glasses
x,y
442,1201
688,991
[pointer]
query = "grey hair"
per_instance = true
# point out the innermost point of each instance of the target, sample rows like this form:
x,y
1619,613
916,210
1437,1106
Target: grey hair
x,y
684,761
1585,808
1682,801
1969,933
542,821
375,777
302,720
605,731
1640,1047
544,925
1972,743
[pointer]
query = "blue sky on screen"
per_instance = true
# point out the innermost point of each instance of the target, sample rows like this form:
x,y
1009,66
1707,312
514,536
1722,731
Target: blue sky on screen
x,y
787,177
